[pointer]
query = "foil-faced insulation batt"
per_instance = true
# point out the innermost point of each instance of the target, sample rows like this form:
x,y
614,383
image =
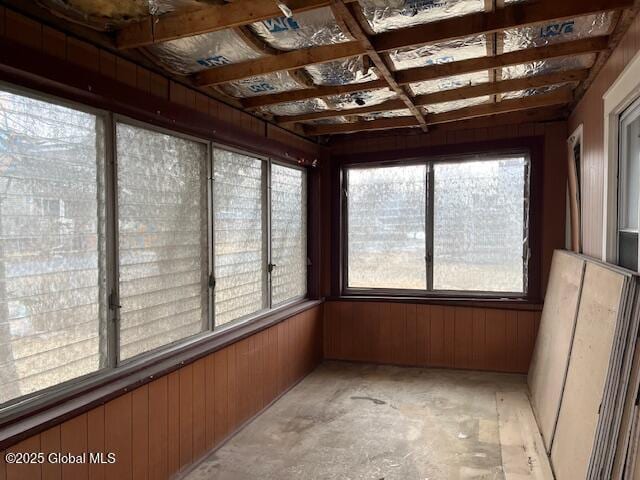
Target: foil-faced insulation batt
x,y
557,31
360,99
388,114
548,66
445,52
457,104
385,15
261,85
448,83
297,108
532,91
309,29
192,54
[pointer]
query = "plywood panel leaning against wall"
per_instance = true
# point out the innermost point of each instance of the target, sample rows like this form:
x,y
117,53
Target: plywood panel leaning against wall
x,y
553,345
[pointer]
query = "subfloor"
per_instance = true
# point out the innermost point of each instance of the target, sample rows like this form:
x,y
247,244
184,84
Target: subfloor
x,y
353,421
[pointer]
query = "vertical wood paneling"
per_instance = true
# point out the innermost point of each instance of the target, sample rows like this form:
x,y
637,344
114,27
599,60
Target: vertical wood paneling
x,y
199,408
73,440
118,437
95,441
161,427
435,335
50,443
158,429
140,432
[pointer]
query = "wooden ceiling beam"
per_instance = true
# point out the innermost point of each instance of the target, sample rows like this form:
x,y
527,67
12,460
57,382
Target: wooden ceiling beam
x,y
559,97
352,22
462,93
382,124
503,86
319,92
518,15
277,63
170,26
381,107
565,49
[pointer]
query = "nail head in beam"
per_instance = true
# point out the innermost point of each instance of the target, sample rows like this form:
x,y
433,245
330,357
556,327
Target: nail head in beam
x,y
511,16
171,26
566,49
277,63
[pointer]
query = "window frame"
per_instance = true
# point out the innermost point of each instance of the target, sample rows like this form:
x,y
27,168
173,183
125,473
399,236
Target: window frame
x,y
114,374
429,292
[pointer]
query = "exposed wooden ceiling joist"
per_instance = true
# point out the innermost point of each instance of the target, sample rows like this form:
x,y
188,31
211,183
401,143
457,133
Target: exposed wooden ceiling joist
x,y
566,49
341,11
175,25
319,92
518,15
503,86
277,63
558,97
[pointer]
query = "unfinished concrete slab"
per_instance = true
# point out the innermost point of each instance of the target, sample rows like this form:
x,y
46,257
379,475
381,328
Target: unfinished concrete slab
x,y
354,421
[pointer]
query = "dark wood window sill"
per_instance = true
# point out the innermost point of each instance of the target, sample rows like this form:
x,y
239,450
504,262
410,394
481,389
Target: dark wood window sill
x,y
104,386
477,302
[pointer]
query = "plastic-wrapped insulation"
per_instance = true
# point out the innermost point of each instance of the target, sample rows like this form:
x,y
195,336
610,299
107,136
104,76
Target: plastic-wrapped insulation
x,y
297,108
457,104
360,99
261,85
328,121
303,30
557,31
208,50
448,83
548,66
533,91
385,15
388,114
309,29
111,14
445,52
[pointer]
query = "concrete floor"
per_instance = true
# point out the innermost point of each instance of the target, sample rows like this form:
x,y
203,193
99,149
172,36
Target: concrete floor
x,y
351,421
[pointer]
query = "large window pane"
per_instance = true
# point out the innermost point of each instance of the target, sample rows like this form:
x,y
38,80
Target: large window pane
x,y
52,270
288,233
386,227
162,238
479,225
240,244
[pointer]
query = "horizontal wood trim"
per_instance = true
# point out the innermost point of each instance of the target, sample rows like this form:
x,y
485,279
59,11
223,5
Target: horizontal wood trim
x,y
475,338
505,304
319,92
566,49
487,22
277,63
382,124
503,86
559,97
171,26
129,377
381,107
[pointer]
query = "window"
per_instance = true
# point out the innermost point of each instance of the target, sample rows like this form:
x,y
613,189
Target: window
x,y
449,226
288,233
628,192
120,242
162,238
260,248
52,247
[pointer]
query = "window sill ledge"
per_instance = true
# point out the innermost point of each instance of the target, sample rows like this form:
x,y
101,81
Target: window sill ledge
x,y
477,302
116,382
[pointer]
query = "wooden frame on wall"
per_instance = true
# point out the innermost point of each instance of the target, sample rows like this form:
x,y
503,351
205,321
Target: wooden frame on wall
x,y
574,189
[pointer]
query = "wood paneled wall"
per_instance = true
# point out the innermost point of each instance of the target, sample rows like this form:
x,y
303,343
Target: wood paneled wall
x,y
164,426
554,171
590,113
49,41
430,335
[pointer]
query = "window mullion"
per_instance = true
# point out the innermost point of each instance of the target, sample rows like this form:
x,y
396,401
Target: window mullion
x,y
429,226
211,239
267,269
